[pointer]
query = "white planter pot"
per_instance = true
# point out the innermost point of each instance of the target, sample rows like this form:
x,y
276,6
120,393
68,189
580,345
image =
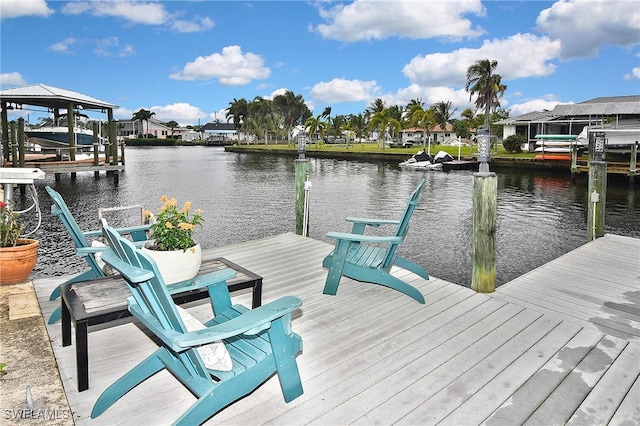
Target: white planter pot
x,y
177,265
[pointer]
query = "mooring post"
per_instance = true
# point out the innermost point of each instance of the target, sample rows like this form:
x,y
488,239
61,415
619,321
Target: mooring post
x,y
574,161
485,190
14,145
597,186
633,163
301,172
23,188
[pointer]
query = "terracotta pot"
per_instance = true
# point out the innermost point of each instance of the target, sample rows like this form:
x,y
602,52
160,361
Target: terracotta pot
x,y
16,263
177,265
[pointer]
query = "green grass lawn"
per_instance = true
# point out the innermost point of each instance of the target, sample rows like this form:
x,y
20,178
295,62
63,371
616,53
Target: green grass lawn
x,y
373,148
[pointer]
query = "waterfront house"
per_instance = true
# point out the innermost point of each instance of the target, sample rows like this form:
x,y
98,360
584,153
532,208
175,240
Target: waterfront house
x,y
437,134
570,119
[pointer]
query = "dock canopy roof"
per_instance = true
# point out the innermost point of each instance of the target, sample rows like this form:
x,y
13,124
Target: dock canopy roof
x,y
51,97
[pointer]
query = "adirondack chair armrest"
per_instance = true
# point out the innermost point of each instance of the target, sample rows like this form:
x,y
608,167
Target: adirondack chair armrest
x,y
83,251
360,223
129,272
364,238
372,222
204,280
250,322
122,231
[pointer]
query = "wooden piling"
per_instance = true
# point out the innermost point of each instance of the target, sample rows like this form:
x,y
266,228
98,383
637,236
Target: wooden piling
x,y
485,190
597,199
301,172
20,142
71,119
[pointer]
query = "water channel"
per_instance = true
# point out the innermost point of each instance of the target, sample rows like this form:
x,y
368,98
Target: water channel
x,y
541,215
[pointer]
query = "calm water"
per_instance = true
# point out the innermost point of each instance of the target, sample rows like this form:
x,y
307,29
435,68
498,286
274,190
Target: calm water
x,y
248,196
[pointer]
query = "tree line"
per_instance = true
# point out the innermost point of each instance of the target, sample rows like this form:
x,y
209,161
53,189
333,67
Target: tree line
x,y
274,119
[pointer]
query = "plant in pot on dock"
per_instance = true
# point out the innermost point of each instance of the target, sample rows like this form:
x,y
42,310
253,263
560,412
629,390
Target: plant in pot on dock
x,y
17,255
177,255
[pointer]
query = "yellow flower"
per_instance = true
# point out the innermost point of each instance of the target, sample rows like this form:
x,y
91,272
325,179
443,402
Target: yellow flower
x,y
169,225
186,226
199,212
164,198
187,207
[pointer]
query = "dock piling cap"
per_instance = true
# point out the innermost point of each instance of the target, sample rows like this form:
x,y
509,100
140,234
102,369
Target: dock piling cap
x,y
20,175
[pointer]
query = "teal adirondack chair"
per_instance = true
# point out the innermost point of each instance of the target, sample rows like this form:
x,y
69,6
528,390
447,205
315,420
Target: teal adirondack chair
x,y
260,341
83,246
370,258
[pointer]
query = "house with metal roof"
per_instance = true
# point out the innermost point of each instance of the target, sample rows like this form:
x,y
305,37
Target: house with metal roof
x,y
613,112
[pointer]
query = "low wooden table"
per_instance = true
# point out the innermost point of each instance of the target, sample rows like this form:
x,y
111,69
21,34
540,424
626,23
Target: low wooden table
x,y
104,299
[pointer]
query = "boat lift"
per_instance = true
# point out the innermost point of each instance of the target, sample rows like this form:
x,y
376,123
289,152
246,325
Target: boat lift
x,y
10,176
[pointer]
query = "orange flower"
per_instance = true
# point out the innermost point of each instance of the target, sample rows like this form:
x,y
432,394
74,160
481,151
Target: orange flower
x,y
169,225
186,226
187,207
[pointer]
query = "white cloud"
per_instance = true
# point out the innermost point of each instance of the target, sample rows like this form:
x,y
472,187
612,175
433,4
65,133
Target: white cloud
x,y
634,74
64,46
519,56
133,11
11,79
584,26
193,26
231,67
342,90
371,19
17,8
181,112
547,102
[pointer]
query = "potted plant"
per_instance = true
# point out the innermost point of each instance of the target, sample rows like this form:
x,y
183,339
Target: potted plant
x,y
177,255
17,255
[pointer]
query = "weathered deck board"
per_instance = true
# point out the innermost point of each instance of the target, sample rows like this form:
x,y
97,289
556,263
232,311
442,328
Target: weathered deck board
x,y
596,285
373,355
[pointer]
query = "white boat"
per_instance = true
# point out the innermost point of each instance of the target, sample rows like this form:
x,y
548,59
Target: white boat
x,y
58,136
423,161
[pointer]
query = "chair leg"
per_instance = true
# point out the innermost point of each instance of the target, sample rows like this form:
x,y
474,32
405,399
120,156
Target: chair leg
x,y
381,277
285,353
336,267
55,316
130,380
403,263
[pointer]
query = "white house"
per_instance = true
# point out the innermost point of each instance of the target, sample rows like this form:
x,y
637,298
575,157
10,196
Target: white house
x,y
570,119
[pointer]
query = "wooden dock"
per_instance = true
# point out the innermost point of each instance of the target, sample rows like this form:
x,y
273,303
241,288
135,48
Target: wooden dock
x,y
558,345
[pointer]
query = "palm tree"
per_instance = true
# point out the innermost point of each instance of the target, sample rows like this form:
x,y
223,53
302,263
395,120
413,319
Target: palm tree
x,y
143,115
315,126
384,123
292,109
482,81
443,113
260,110
357,124
172,125
425,119
238,111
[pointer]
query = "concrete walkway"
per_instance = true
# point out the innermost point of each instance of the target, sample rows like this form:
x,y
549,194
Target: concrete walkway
x,y
27,352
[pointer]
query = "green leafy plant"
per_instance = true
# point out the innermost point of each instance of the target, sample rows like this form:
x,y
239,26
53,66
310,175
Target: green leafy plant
x,y
10,226
173,228
513,143
2,366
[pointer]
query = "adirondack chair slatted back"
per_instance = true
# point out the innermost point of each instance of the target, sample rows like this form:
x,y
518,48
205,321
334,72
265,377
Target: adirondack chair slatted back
x,y
258,343
60,209
403,227
369,258
152,297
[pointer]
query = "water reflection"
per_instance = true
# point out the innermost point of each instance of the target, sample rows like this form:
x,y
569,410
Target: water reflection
x,y
248,196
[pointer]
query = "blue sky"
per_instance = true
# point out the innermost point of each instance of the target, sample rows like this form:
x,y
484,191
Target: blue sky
x,y
186,60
